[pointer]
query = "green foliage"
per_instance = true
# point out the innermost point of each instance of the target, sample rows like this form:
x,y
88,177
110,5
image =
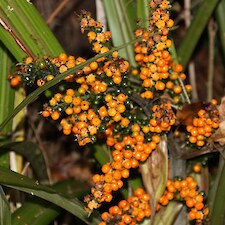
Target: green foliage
x,y
193,35
32,153
5,214
27,213
33,187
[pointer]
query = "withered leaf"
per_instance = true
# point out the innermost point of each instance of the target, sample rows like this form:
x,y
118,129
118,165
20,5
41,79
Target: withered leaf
x,y
219,135
155,172
186,115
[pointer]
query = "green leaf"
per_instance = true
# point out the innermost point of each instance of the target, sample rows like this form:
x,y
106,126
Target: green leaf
x,y
32,153
5,214
217,196
121,19
35,212
7,96
194,32
168,215
38,28
143,12
10,44
220,18
19,182
102,153
24,31
39,212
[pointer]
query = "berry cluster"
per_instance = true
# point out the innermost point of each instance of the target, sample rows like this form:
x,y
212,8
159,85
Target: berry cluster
x,y
186,190
157,70
203,125
126,155
99,39
129,211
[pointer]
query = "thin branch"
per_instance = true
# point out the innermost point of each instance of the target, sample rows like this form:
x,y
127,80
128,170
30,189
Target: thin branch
x,y
192,79
212,29
191,67
14,36
55,13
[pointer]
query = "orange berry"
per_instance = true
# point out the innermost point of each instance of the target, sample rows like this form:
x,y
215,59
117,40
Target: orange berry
x,y
67,131
107,188
15,81
45,113
171,188
69,111
102,223
139,192
156,138
200,143
124,122
127,164
134,163
177,89
114,210
192,214
108,178
105,216
201,112
117,79
178,68
77,101
197,168
108,197
123,204
85,105
199,205
40,82
214,101
96,121
192,139
160,85
106,168
177,184
139,57
128,154
63,57
68,99
199,198
125,173
97,178
55,115
190,202
199,215
117,175
93,65
126,219
62,69
121,97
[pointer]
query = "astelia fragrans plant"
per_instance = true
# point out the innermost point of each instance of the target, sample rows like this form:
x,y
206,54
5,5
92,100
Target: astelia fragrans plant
x,y
129,105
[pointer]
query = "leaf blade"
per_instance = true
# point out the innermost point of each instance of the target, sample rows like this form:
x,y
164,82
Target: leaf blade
x,y
25,184
5,214
193,34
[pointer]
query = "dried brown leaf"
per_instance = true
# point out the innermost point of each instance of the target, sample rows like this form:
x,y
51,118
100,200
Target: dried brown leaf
x,y
186,115
155,172
219,135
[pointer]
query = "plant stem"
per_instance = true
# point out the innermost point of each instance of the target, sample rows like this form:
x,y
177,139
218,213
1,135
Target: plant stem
x,y
212,29
217,196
